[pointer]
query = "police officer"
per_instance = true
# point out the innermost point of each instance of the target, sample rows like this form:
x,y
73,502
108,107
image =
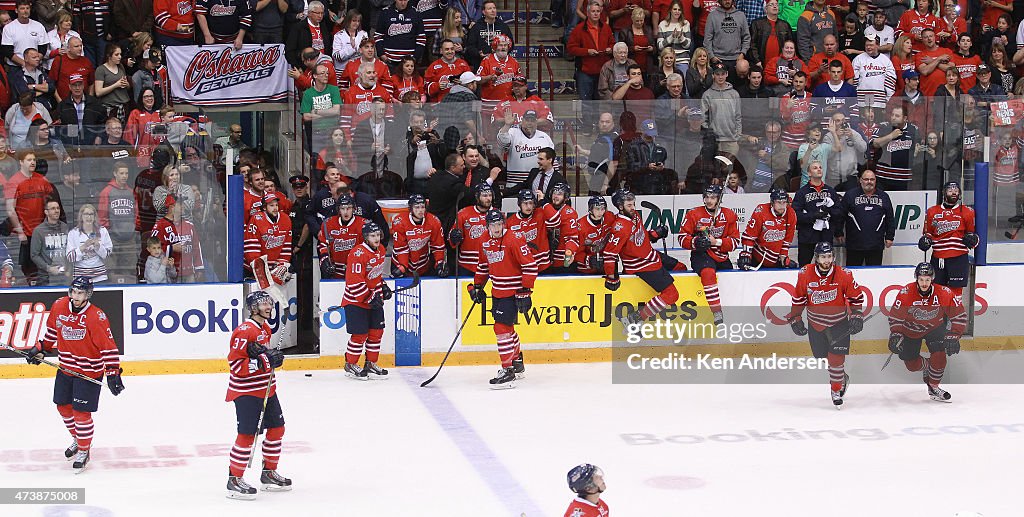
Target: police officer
x,y
302,258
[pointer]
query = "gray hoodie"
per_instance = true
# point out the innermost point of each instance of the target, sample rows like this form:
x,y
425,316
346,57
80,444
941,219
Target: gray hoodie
x,y
726,34
47,249
722,112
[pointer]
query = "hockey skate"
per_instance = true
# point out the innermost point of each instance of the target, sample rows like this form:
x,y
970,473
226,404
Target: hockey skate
x,y
505,379
938,394
239,489
846,384
837,399
355,372
378,372
630,318
274,482
719,318
81,461
519,367
72,450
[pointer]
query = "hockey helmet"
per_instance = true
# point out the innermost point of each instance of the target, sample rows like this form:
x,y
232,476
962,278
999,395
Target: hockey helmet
x,y
562,187
822,248
370,227
619,198
81,283
255,299
713,190
596,201
481,189
494,216
946,198
526,195
581,477
417,199
345,200
268,197
924,269
778,194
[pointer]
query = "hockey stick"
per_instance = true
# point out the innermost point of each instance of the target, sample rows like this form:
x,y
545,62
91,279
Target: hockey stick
x,y
259,421
415,282
832,342
455,340
53,364
899,346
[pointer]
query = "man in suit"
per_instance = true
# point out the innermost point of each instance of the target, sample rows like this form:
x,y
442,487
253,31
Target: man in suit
x,y
541,178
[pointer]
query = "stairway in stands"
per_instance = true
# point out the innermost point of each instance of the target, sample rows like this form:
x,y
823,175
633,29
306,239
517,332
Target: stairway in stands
x,y
533,33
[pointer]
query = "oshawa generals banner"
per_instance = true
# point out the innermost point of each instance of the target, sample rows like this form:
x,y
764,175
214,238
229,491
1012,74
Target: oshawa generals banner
x,y
219,75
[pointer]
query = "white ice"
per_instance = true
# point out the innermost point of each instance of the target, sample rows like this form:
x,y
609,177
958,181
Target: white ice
x,y
391,448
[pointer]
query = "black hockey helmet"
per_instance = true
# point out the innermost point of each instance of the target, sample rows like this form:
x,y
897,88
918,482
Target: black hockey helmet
x,y
482,188
526,195
778,194
494,216
370,227
946,198
562,187
345,200
581,478
81,283
255,298
417,199
597,201
822,248
619,198
924,268
713,190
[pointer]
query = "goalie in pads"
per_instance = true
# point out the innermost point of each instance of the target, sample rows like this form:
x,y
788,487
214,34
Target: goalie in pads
x,y
930,313
267,248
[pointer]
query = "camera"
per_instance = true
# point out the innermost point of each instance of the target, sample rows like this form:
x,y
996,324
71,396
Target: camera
x,y
453,79
846,125
159,129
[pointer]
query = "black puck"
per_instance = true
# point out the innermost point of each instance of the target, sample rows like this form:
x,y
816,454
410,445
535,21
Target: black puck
x,y
309,375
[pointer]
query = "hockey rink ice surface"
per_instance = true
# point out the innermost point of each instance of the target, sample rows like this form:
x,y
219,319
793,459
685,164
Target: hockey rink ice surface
x,y
456,448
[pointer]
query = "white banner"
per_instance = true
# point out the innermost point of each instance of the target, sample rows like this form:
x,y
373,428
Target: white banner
x,y
219,75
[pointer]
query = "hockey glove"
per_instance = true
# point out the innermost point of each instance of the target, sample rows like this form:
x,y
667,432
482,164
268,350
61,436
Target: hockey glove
x,y
970,240
701,242
455,237
823,215
798,327
952,344
896,343
397,270
788,263
924,243
281,274
326,268
255,350
554,239
114,382
856,324
611,284
442,270
35,354
523,301
275,357
658,233
385,291
743,263
477,294
376,302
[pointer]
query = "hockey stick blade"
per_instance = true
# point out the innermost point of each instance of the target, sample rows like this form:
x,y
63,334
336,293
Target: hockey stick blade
x,y
53,364
415,282
452,346
887,361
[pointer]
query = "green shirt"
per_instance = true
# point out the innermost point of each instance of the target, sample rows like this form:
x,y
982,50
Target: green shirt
x,y
327,99
790,10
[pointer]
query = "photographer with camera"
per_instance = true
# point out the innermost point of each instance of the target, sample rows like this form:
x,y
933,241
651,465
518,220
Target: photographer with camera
x,y
848,149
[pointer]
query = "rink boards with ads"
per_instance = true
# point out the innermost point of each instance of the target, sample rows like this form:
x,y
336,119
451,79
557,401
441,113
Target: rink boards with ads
x,y
182,329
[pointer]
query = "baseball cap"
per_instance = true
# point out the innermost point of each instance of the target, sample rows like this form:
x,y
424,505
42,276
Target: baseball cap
x,y
170,201
649,128
270,196
299,180
910,74
519,79
76,78
530,114
468,77
694,113
870,37
719,67
983,68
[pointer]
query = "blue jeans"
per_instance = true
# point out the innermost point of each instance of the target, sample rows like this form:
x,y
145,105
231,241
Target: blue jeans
x,y
95,50
571,19
586,88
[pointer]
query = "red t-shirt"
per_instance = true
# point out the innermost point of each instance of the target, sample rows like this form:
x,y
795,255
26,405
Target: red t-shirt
x,y
932,81
771,47
968,68
30,200
64,66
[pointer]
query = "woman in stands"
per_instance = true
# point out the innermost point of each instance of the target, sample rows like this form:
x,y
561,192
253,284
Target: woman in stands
x,y
640,40
88,246
698,76
337,152
347,40
674,33
172,185
1002,68
408,80
112,84
451,29
902,58
667,65
143,129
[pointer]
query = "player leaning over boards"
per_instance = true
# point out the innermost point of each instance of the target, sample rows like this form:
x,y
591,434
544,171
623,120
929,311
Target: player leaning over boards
x,y
81,333
834,303
365,293
630,242
931,313
711,232
253,389
506,260
949,229
594,229
588,483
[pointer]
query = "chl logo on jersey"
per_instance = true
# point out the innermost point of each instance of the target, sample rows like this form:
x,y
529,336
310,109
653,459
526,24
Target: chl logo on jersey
x,y
820,297
476,231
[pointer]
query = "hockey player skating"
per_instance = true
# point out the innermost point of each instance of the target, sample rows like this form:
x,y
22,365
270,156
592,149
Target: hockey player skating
x,y
949,229
418,238
339,235
507,261
931,313
563,222
253,389
587,481
365,293
834,305
629,242
711,232
470,229
768,234
80,331
594,229
531,224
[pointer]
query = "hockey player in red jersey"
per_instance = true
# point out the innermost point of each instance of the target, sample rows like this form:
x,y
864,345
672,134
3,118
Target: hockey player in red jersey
x,y
339,234
769,232
931,313
506,260
418,238
268,240
81,334
470,229
563,221
253,389
594,229
711,232
629,242
949,229
530,224
365,293
587,481
834,304
252,195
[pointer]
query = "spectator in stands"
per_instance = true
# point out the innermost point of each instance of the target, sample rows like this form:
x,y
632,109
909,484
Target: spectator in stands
x,y
913,23
316,32
232,140
540,179
143,129
408,80
946,106
79,114
22,33
268,18
916,104
615,72
439,74
723,111
755,88
636,154
522,101
446,189
815,23
150,74
88,246
180,240
321,104
112,85
985,92
657,77
70,64
818,65
31,78
8,165
817,211
834,95
932,62
727,37
654,178
639,98
851,39
451,29
795,109
866,224
811,151
896,140
640,40
522,143
372,137
131,18
322,204
698,77
670,108
348,41
772,160
174,22
458,110
885,34
782,68
966,62
45,147
767,35
111,145
600,164
496,72
620,12
674,33
19,118
59,36
874,76
367,56
483,32
337,152
848,149
92,19
1001,34
424,153
591,44
399,33
159,266
171,185
1002,67
117,212
226,21
26,194
49,242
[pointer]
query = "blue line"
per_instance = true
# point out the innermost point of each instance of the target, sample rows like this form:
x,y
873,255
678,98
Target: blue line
x,y
473,447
